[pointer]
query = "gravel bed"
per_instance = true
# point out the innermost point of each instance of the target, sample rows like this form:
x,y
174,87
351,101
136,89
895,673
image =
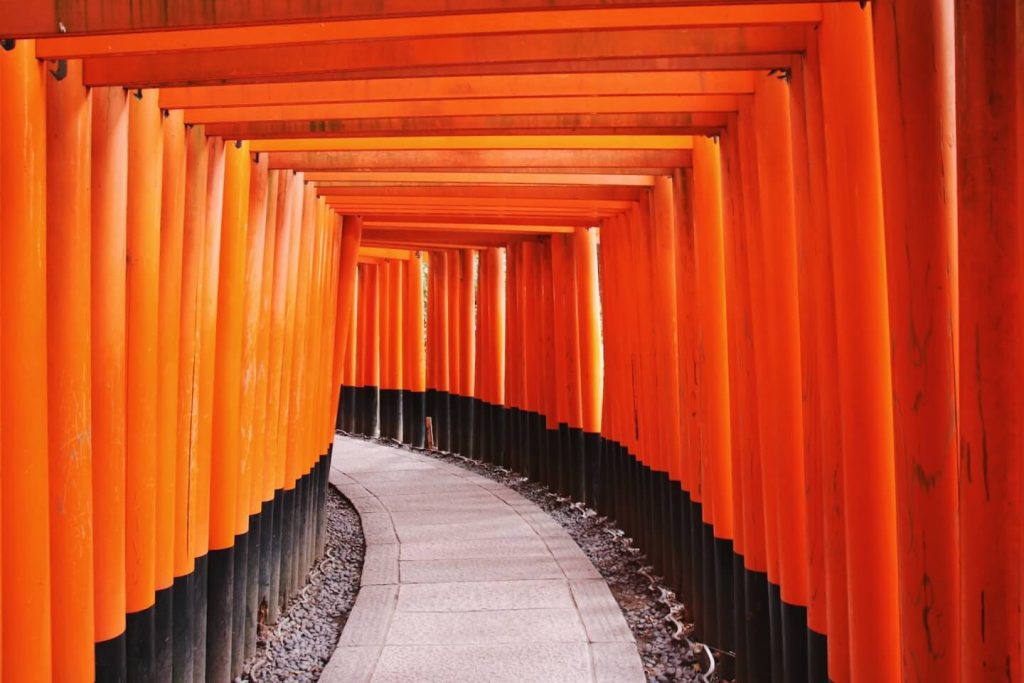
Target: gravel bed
x,y
665,658
298,646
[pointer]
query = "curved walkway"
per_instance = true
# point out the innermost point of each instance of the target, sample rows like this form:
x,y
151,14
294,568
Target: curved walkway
x,y
466,580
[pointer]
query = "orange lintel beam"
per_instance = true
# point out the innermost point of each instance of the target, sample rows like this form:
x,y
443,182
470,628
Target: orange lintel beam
x,y
504,203
761,61
616,123
442,142
461,87
462,239
500,228
79,17
418,27
454,159
472,219
503,191
471,214
508,106
226,65
380,252
458,178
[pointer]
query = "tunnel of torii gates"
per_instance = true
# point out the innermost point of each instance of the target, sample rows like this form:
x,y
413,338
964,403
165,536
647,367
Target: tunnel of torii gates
x,y
745,278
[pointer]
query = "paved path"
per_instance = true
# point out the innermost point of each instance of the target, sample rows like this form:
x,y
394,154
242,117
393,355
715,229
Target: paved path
x,y
466,580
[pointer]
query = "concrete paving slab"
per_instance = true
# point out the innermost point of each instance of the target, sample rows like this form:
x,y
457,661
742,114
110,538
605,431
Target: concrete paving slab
x,y
601,614
437,501
370,617
524,546
616,663
473,596
487,627
465,579
502,663
481,528
380,565
481,569
377,528
352,664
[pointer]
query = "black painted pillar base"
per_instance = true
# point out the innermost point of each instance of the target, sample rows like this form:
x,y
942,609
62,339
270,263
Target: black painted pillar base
x,y
200,617
238,603
111,660
817,657
140,644
183,628
219,614
252,583
758,627
274,599
775,621
794,641
697,566
407,417
163,636
591,469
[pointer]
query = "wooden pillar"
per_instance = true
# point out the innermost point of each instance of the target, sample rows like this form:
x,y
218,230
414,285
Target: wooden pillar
x,y
915,84
109,234
145,169
172,224
989,176
25,495
816,244
68,152
862,323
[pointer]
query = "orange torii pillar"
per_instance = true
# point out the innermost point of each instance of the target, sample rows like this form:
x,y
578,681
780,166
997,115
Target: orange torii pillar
x,y
914,65
467,349
513,380
548,434
568,411
480,336
437,339
714,398
455,351
247,519
691,571
588,307
25,535
613,432
816,328
172,224
388,389
990,185
145,167
531,418
204,402
491,354
413,364
371,350
763,600
262,501
432,369
752,658
108,246
862,322
226,413
781,407
68,119
351,235
281,337
447,375
393,388
360,330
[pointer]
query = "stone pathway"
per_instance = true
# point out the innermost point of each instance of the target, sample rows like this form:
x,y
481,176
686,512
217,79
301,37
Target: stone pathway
x,y
466,580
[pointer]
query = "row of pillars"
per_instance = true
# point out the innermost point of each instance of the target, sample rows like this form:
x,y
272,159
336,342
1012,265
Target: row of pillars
x,y
170,357
809,354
